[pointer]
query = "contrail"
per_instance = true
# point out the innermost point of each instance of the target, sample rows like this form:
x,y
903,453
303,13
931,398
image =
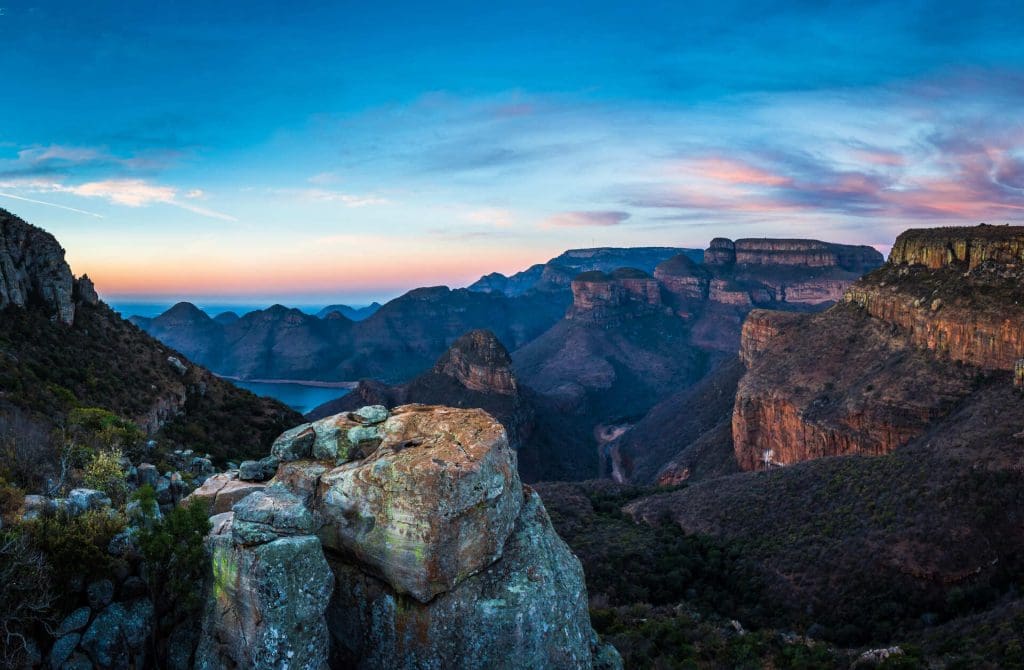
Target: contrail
x,y
51,204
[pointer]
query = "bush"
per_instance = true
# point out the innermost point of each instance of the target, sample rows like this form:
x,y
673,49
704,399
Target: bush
x,y
104,473
175,558
102,430
76,547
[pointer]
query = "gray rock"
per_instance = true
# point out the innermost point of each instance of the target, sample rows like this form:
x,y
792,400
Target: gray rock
x,y
85,290
370,414
527,610
84,500
74,622
36,506
251,471
266,606
269,465
361,435
265,515
123,543
164,496
100,593
295,443
142,517
118,634
177,365
62,650
147,474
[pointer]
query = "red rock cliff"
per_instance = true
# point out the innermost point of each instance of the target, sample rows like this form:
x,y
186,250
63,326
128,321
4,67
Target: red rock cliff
x,y
605,298
479,362
965,247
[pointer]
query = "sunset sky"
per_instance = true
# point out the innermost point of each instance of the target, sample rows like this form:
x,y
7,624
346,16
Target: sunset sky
x,y
320,151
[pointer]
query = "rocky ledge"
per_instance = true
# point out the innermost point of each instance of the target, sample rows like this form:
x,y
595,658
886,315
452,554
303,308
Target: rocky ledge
x,y
399,539
794,253
962,247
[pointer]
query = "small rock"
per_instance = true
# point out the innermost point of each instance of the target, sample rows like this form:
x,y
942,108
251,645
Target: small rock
x,y
147,474
269,465
177,365
294,444
100,593
371,414
62,650
74,622
35,506
267,515
251,471
83,500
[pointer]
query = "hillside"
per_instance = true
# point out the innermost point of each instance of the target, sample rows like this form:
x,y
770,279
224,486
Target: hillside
x,y
49,366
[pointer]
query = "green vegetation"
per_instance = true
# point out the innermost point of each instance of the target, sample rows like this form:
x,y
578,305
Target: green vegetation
x,y
175,558
104,473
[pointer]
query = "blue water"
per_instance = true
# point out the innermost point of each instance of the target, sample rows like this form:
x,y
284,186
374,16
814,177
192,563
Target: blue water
x,y
299,397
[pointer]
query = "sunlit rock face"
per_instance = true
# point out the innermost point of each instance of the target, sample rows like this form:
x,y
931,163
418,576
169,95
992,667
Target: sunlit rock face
x,y
904,347
407,541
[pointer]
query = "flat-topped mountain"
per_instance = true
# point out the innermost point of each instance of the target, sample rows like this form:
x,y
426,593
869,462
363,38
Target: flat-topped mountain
x,y
557,273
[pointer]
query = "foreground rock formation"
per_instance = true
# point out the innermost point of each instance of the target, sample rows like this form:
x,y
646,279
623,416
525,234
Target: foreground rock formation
x,y
395,540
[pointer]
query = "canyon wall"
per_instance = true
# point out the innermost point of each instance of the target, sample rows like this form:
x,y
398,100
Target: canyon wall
x,y
907,343
609,298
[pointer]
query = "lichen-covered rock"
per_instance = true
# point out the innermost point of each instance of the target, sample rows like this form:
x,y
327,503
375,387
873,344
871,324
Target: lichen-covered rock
x,y
528,610
371,414
266,515
83,500
62,650
251,471
266,605
74,622
431,506
295,443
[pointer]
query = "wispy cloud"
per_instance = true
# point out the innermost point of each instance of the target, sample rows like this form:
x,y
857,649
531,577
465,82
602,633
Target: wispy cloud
x,y
328,195
586,219
50,204
125,192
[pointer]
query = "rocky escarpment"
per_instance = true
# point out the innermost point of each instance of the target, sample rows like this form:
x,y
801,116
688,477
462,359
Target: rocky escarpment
x,y
33,270
832,384
609,298
955,291
400,540
795,253
961,247
736,277
479,362
557,273
948,305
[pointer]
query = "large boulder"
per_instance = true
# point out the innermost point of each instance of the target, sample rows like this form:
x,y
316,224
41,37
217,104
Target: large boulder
x,y
431,506
266,604
528,610
220,492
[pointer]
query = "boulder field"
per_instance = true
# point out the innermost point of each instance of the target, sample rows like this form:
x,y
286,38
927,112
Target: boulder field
x,y
399,539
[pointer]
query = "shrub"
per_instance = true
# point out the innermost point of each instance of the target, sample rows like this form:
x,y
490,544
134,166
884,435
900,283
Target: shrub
x,y
101,429
76,547
175,558
104,473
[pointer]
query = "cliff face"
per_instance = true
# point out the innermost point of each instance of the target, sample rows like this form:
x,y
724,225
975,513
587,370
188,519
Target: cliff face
x,y
388,530
964,248
32,269
608,299
736,277
949,295
955,291
832,384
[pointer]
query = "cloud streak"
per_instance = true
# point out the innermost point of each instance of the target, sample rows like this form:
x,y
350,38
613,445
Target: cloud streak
x,y
584,219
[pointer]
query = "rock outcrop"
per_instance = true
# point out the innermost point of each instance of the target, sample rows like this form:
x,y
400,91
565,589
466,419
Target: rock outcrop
x,y
793,253
955,291
479,362
609,298
905,346
33,269
964,248
435,554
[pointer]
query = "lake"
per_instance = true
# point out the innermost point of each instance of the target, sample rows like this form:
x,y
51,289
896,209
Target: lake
x,y
300,397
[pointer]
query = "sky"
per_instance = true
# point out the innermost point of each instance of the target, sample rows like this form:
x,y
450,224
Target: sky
x,y
314,152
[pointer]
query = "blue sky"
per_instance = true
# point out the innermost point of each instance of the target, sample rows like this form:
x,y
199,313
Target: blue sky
x,y
311,151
